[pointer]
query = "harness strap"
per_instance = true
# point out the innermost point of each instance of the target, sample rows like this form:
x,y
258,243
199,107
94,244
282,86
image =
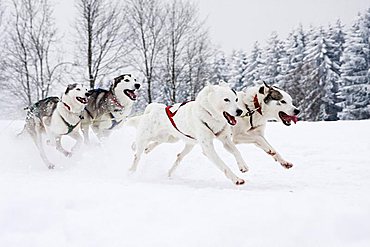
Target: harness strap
x,y
170,116
114,121
250,114
70,126
257,105
89,113
216,134
115,101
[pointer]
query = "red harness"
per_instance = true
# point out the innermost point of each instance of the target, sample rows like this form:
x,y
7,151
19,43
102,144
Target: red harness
x,y
257,105
170,116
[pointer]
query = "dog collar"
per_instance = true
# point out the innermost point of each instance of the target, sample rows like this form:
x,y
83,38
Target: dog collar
x,y
67,106
115,101
257,105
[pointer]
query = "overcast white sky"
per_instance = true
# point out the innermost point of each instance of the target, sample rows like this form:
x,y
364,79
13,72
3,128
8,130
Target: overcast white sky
x,y
237,24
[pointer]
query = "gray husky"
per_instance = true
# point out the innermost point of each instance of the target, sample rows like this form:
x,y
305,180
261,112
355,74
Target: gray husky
x,y
107,109
56,117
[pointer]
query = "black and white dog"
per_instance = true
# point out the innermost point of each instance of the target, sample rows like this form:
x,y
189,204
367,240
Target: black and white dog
x,y
107,109
56,117
260,104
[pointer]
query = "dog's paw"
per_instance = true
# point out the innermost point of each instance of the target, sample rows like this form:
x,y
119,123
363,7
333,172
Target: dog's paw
x,y
244,169
239,181
68,154
287,165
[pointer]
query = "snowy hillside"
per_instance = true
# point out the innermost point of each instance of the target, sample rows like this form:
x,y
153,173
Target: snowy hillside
x,y
91,200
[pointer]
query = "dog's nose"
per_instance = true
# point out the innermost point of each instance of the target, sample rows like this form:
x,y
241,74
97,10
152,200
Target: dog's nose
x,y
296,111
239,112
137,85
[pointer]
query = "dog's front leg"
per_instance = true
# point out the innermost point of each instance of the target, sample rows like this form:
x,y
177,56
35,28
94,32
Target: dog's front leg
x,y
85,132
261,142
209,151
78,138
230,147
60,148
37,137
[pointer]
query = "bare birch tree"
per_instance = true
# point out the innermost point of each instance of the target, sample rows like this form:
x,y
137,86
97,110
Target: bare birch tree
x,y
101,37
31,66
181,23
198,62
146,19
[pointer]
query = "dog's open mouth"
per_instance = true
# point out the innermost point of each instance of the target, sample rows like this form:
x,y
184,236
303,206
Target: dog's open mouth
x,y
82,100
130,93
286,119
230,119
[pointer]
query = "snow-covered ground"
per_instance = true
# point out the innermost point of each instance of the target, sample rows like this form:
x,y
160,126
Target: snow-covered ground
x,y
91,200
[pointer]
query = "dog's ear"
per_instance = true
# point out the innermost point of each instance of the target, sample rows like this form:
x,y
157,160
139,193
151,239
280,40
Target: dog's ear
x,y
266,85
70,87
118,79
223,83
265,88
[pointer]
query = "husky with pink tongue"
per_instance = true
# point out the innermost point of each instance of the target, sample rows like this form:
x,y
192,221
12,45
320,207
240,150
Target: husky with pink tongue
x,y
106,110
260,104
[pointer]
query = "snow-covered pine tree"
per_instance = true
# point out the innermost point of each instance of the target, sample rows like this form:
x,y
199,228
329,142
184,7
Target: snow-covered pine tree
x,y
355,82
271,58
337,37
319,76
254,69
290,78
238,64
221,69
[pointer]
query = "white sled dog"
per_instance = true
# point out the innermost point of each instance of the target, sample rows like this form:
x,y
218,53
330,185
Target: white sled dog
x,y
263,103
210,116
107,109
57,117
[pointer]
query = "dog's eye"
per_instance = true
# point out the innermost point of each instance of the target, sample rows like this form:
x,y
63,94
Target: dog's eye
x,y
127,80
236,100
78,89
226,100
283,102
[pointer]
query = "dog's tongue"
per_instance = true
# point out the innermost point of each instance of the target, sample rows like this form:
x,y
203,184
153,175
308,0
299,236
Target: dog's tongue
x,y
230,119
132,94
293,118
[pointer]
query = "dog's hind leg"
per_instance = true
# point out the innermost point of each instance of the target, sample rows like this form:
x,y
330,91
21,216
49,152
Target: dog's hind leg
x,y
230,147
151,146
37,137
210,152
140,147
188,147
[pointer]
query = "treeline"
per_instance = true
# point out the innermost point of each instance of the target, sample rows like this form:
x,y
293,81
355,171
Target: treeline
x,y
164,43
167,46
326,70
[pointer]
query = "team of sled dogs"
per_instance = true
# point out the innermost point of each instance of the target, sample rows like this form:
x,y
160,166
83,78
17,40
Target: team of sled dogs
x,y
218,112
